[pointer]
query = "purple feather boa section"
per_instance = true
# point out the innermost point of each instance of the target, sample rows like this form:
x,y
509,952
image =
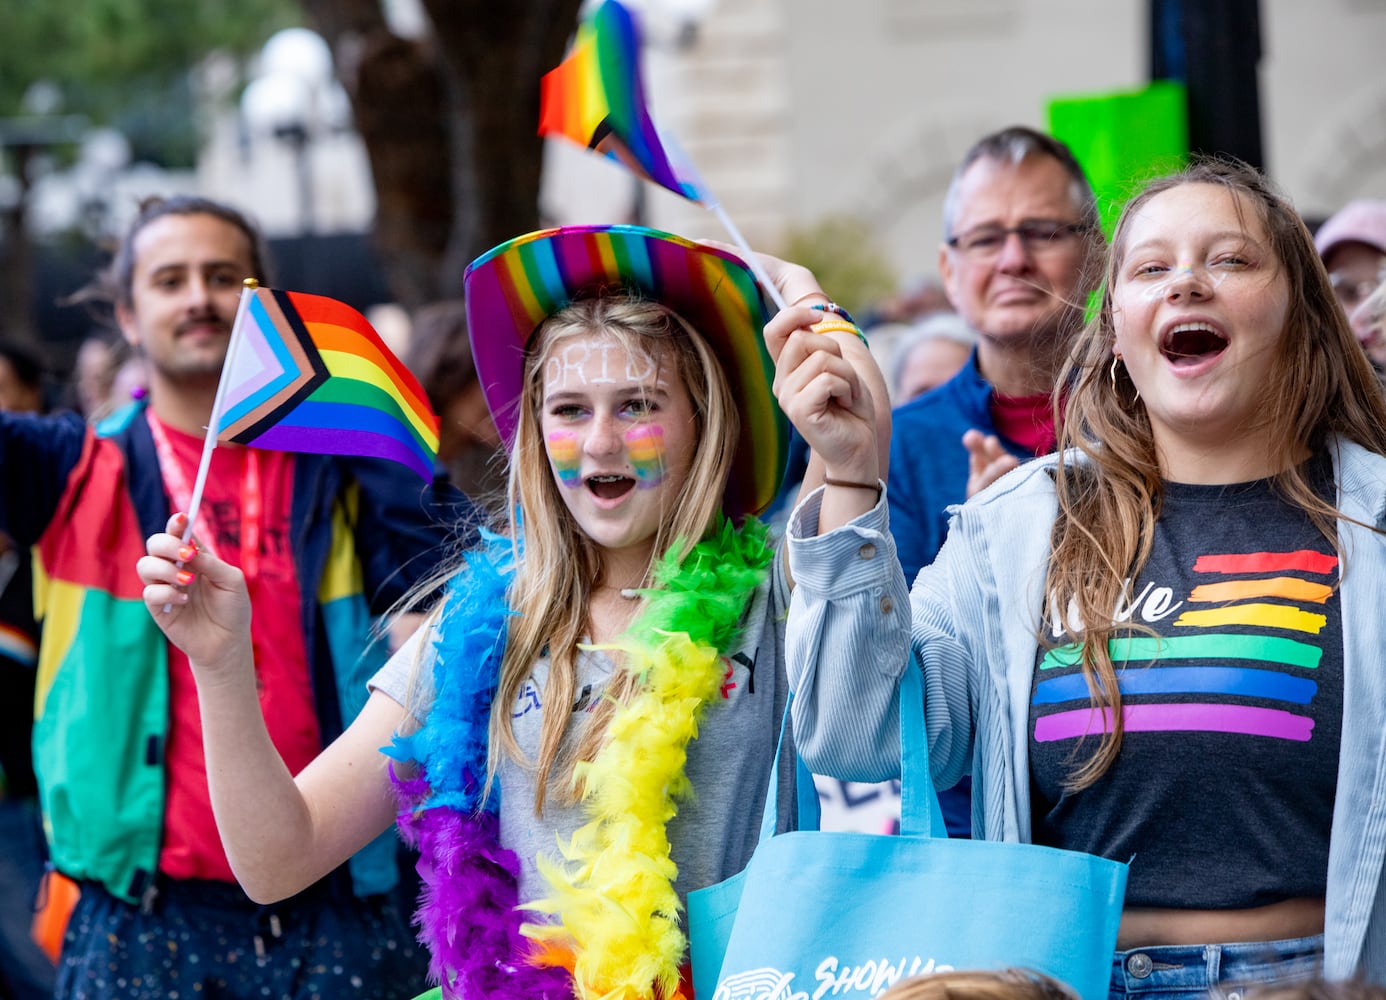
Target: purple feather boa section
x,y
466,915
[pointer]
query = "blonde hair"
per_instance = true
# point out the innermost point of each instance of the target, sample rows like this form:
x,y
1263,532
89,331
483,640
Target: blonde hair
x,y
1320,385
1005,984
561,566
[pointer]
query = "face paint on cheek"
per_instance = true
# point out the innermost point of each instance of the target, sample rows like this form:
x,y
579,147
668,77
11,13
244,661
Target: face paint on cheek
x,y
563,455
645,447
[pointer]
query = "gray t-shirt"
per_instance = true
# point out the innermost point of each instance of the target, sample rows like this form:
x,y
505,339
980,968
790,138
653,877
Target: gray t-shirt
x,y
728,765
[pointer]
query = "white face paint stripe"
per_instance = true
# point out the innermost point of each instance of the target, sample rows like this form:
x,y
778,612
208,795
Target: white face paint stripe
x,y
1158,289
566,369
646,369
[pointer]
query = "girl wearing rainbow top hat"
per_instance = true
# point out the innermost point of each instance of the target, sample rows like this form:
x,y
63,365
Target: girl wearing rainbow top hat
x,y
584,730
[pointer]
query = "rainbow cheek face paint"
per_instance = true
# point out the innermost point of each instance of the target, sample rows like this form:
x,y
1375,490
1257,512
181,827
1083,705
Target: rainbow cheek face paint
x,y
645,448
563,455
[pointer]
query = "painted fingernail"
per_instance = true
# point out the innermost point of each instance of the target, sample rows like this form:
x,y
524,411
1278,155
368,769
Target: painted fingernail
x,y
186,552
186,577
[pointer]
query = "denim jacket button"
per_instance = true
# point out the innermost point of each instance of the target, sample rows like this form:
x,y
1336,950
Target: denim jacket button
x,y
1139,965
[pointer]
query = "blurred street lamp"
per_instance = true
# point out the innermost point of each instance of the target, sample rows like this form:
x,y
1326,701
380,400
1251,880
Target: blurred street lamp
x,y
294,98
102,156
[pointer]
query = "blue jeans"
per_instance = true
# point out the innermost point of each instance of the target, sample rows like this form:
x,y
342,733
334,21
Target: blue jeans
x,y
25,971
201,940
1183,972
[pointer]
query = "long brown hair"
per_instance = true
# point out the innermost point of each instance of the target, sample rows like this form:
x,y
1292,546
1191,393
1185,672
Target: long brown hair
x,y
553,587
1109,500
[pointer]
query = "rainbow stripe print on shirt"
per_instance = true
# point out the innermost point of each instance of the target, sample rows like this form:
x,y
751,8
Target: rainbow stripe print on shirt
x,y
1249,633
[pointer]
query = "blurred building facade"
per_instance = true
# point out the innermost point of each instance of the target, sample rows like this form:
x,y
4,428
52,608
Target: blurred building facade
x,y
799,110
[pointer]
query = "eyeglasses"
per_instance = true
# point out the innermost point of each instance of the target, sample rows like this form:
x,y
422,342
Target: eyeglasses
x,y
1352,292
1038,236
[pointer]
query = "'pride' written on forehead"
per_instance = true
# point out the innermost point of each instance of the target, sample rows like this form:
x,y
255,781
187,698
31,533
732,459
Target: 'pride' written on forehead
x,y
589,362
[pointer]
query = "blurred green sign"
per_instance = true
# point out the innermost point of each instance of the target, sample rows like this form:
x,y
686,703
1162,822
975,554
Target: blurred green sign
x,y
1123,138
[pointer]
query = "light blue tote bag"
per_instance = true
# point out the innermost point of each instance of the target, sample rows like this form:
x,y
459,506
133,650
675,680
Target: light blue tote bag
x,y
845,915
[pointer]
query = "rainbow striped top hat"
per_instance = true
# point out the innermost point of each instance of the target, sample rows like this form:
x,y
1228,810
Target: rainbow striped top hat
x,y
514,287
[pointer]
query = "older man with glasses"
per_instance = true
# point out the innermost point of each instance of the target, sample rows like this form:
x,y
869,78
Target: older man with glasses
x,y
1018,260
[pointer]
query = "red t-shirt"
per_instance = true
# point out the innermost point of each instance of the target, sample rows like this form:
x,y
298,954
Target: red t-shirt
x,y
1026,420
191,847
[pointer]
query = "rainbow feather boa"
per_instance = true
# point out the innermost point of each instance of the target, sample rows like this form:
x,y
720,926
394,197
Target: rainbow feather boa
x,y
617,933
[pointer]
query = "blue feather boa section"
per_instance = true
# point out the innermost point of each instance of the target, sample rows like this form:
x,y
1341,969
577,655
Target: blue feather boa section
x,y
470,639
467,914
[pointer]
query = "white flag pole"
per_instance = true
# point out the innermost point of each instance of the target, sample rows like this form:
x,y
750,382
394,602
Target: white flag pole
x,y
751,260
685,168
209,442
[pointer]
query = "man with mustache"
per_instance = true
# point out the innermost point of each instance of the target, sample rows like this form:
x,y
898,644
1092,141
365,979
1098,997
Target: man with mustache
x,y
327,545
1020,243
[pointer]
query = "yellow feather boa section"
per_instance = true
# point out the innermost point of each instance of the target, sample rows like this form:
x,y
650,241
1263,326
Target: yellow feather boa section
x,y
615,898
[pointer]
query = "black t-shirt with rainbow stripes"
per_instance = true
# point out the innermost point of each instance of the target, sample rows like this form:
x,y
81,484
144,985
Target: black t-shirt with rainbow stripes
x,y
1222,794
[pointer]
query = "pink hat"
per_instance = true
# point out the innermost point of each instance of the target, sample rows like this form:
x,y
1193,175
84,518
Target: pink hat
x,y
1360,221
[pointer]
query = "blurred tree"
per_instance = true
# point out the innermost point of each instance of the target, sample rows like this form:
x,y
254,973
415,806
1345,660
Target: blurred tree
x,y
116,61
127,63
847,258
449,122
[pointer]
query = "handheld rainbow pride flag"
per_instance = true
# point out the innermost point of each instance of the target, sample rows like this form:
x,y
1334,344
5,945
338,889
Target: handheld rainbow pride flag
x,y
308,373
596,98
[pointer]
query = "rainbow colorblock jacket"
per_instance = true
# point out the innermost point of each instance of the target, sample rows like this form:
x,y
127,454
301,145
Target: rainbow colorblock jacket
x,y
363,530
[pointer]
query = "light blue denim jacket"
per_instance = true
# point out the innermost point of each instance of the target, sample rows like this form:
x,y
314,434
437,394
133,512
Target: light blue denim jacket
x,y
970,623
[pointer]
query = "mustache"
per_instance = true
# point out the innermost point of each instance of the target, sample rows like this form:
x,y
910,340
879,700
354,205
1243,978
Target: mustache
x,y
203,319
